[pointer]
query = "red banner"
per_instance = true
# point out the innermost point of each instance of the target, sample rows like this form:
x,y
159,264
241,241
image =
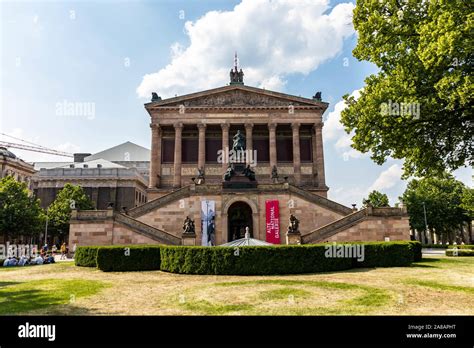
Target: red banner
x,y
273,221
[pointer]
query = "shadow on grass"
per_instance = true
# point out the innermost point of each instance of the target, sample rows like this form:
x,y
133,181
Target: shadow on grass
x,y
18,298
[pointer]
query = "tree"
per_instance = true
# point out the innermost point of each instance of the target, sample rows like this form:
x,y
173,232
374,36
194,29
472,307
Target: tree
x,y
419,107
59,212
376,199
467,202
20,212
441,198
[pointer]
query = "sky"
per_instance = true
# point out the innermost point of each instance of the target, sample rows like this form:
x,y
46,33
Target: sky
x,y
106,57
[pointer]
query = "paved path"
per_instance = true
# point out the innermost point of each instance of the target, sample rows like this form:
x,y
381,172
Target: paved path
x,y
433,251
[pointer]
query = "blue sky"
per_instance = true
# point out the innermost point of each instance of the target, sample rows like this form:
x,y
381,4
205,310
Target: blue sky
x,y
112,54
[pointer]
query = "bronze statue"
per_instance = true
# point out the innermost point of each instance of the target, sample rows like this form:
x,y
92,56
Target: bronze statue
x,y
317,96
274,172
293,226
249,173
188,226
239,142
155,96
229,173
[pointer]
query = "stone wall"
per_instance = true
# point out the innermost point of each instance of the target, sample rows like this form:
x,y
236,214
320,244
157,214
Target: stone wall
x,y
375,228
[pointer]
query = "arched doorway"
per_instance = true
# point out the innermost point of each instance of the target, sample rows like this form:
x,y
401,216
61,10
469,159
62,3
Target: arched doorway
x,y
239,216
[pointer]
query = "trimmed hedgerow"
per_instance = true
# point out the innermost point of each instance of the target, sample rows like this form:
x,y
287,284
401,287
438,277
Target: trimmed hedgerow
x,y
86,256
462,246
417,253
460,252
266,260
129,258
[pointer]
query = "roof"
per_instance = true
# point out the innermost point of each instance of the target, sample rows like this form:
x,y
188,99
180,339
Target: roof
x,y
276,96
93,164
127,151
49,165
247,241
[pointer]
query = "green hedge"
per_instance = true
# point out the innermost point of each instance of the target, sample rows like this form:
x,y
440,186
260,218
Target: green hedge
x,y
417,252
86,256
129,258
461,252
462,246
263,260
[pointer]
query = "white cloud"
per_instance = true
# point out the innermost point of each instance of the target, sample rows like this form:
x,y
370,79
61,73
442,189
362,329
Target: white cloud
x,y
273,39
333,130
388,178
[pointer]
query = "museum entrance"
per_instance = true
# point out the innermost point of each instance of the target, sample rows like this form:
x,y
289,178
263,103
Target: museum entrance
x,y
239,216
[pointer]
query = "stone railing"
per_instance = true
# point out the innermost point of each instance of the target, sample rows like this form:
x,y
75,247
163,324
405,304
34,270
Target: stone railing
x,y
331,205
334,227
147,230
160,202
91,215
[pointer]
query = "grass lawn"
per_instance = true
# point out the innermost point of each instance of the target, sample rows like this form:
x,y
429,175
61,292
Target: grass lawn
x,y
438,285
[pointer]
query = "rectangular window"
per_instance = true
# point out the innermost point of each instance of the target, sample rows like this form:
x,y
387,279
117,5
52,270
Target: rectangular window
x,y
167,150
284,149
305,150
190,147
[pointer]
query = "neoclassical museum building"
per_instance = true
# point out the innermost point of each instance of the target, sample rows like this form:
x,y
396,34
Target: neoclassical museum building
x,y
235,159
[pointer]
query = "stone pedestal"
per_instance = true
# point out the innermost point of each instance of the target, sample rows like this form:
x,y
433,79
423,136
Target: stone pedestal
x,y
293,238
188,239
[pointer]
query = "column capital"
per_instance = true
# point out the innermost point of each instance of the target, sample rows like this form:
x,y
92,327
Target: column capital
x,y
318,124
272,126
178,125
248,125
155,126
295,125
225,126
201,126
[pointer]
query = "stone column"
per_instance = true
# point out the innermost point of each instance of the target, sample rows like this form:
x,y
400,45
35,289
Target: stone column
x,y
272,144
296,153
202,145
178,130
249,141
155,163
318,155
225,144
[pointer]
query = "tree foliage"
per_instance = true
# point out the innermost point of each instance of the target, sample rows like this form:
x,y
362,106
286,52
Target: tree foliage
x,y
376,199
59,212
20,212
423,50
442,198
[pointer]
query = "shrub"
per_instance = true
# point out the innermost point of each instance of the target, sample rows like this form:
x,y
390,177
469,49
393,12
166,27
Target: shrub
x,y
417,252
462,246
266,260
129,258
460,252
86,256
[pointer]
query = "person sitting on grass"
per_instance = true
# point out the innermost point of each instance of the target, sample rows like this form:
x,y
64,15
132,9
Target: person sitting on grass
x,y
23,261
11,261
49,259
37,261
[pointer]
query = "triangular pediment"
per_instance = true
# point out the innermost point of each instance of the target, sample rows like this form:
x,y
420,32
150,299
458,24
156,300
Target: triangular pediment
x,y
236,96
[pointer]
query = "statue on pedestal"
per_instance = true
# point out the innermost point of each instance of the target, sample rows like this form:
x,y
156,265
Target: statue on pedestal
x,y
274,176
293,226
188,226
249,173
238,142
229,173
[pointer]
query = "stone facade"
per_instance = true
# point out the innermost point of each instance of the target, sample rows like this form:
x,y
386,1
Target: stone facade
x,y
10,165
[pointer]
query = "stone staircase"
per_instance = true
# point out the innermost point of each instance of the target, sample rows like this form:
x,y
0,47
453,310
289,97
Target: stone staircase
x,y
160,202
147,230
322,233
321,201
